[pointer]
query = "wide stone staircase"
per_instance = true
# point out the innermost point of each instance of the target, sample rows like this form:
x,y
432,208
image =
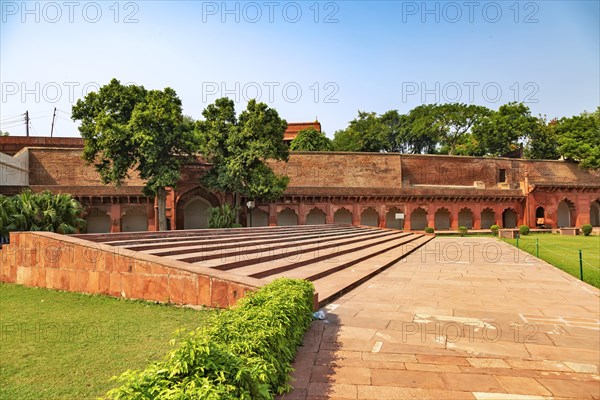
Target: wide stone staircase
x,y
336,258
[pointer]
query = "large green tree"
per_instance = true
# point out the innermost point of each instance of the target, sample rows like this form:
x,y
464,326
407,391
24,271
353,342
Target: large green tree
x,y
311,139
238,149
541,142
129,128
579,139
501,131
365,133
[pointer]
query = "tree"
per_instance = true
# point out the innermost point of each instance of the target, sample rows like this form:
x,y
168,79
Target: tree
x,y
541,142
238,149
500,131
579,139
365,133
129,128
398,129
311,139
421,131
4,133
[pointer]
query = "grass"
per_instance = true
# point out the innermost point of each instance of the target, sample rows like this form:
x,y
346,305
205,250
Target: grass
x,y
68,345
563,253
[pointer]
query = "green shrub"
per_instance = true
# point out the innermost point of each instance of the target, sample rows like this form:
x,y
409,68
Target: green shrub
x,y
586,229
523,230
495,229
222,216
462,230
244,352
429,229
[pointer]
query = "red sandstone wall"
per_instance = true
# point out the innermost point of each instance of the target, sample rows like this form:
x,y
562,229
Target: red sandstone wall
x,y
12,144
65,167
341,170
54,261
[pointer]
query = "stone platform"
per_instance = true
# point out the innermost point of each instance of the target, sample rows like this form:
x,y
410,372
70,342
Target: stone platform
x,y
205,267
460,318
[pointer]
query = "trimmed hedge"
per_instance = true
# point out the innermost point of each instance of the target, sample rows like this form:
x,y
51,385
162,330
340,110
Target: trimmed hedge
x,y
429,229
244,352
462,230
495,229
587,229
524,230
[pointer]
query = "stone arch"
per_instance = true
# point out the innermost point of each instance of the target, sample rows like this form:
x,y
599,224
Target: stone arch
x,y
135,220
369,217
188,197
442,219
509,218
488,218
465,218
316,216
391,221
564,213
595,213
98,221
540,216
196,214
259,217
418,219
343,216
287,217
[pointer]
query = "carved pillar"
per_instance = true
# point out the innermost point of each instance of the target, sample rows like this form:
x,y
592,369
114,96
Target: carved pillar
x,y
115,218
302,214
355,214
272,215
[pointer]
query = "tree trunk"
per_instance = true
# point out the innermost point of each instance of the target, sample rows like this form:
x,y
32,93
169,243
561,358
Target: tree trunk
x,y
161,196
237,207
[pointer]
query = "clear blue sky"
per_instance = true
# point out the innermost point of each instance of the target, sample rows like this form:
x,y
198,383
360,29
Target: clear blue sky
x,y
306,59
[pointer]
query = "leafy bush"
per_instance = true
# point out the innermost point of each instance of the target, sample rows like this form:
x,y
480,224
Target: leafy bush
x,y
222,216
43,211
586,229
240,353
523,230
462,230
429,229
495,229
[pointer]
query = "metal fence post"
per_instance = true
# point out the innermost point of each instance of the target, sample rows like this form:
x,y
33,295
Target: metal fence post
x,y
580,265
537,248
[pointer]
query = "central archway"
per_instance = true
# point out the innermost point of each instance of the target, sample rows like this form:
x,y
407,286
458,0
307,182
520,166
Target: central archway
x,y
391,221
488,218
135,220
564,213
595,213
418,219
98,221
195,214
316,216
465,218
343,216
287,217
509,218
442,219
369,217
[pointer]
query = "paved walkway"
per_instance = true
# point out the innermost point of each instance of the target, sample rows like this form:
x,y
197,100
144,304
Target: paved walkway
x,y
461,318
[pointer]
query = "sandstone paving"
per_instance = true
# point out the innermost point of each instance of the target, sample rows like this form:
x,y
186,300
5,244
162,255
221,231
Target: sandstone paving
x,y
456,324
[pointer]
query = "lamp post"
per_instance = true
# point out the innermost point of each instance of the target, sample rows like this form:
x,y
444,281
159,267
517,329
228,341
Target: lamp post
x,y
250,206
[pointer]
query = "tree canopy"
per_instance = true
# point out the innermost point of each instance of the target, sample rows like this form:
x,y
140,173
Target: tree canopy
x,y
579,138
129,128
311,139
237,148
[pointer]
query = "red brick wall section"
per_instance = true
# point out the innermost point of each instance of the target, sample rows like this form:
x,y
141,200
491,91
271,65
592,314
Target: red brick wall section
x,y
65,167
53,261
13,144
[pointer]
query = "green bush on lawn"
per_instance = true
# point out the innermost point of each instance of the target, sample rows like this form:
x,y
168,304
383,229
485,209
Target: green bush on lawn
x,y
244,352
495,229
587,229
523,230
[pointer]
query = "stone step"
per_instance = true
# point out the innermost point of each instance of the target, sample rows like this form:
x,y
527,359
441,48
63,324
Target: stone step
x,y
251,257
342,260
209,244
334,251
332,286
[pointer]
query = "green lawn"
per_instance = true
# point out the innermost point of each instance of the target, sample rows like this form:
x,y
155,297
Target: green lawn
x,y
68,345
563,252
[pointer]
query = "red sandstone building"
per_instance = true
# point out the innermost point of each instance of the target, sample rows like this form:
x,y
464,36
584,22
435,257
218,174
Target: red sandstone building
x,y
373,189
